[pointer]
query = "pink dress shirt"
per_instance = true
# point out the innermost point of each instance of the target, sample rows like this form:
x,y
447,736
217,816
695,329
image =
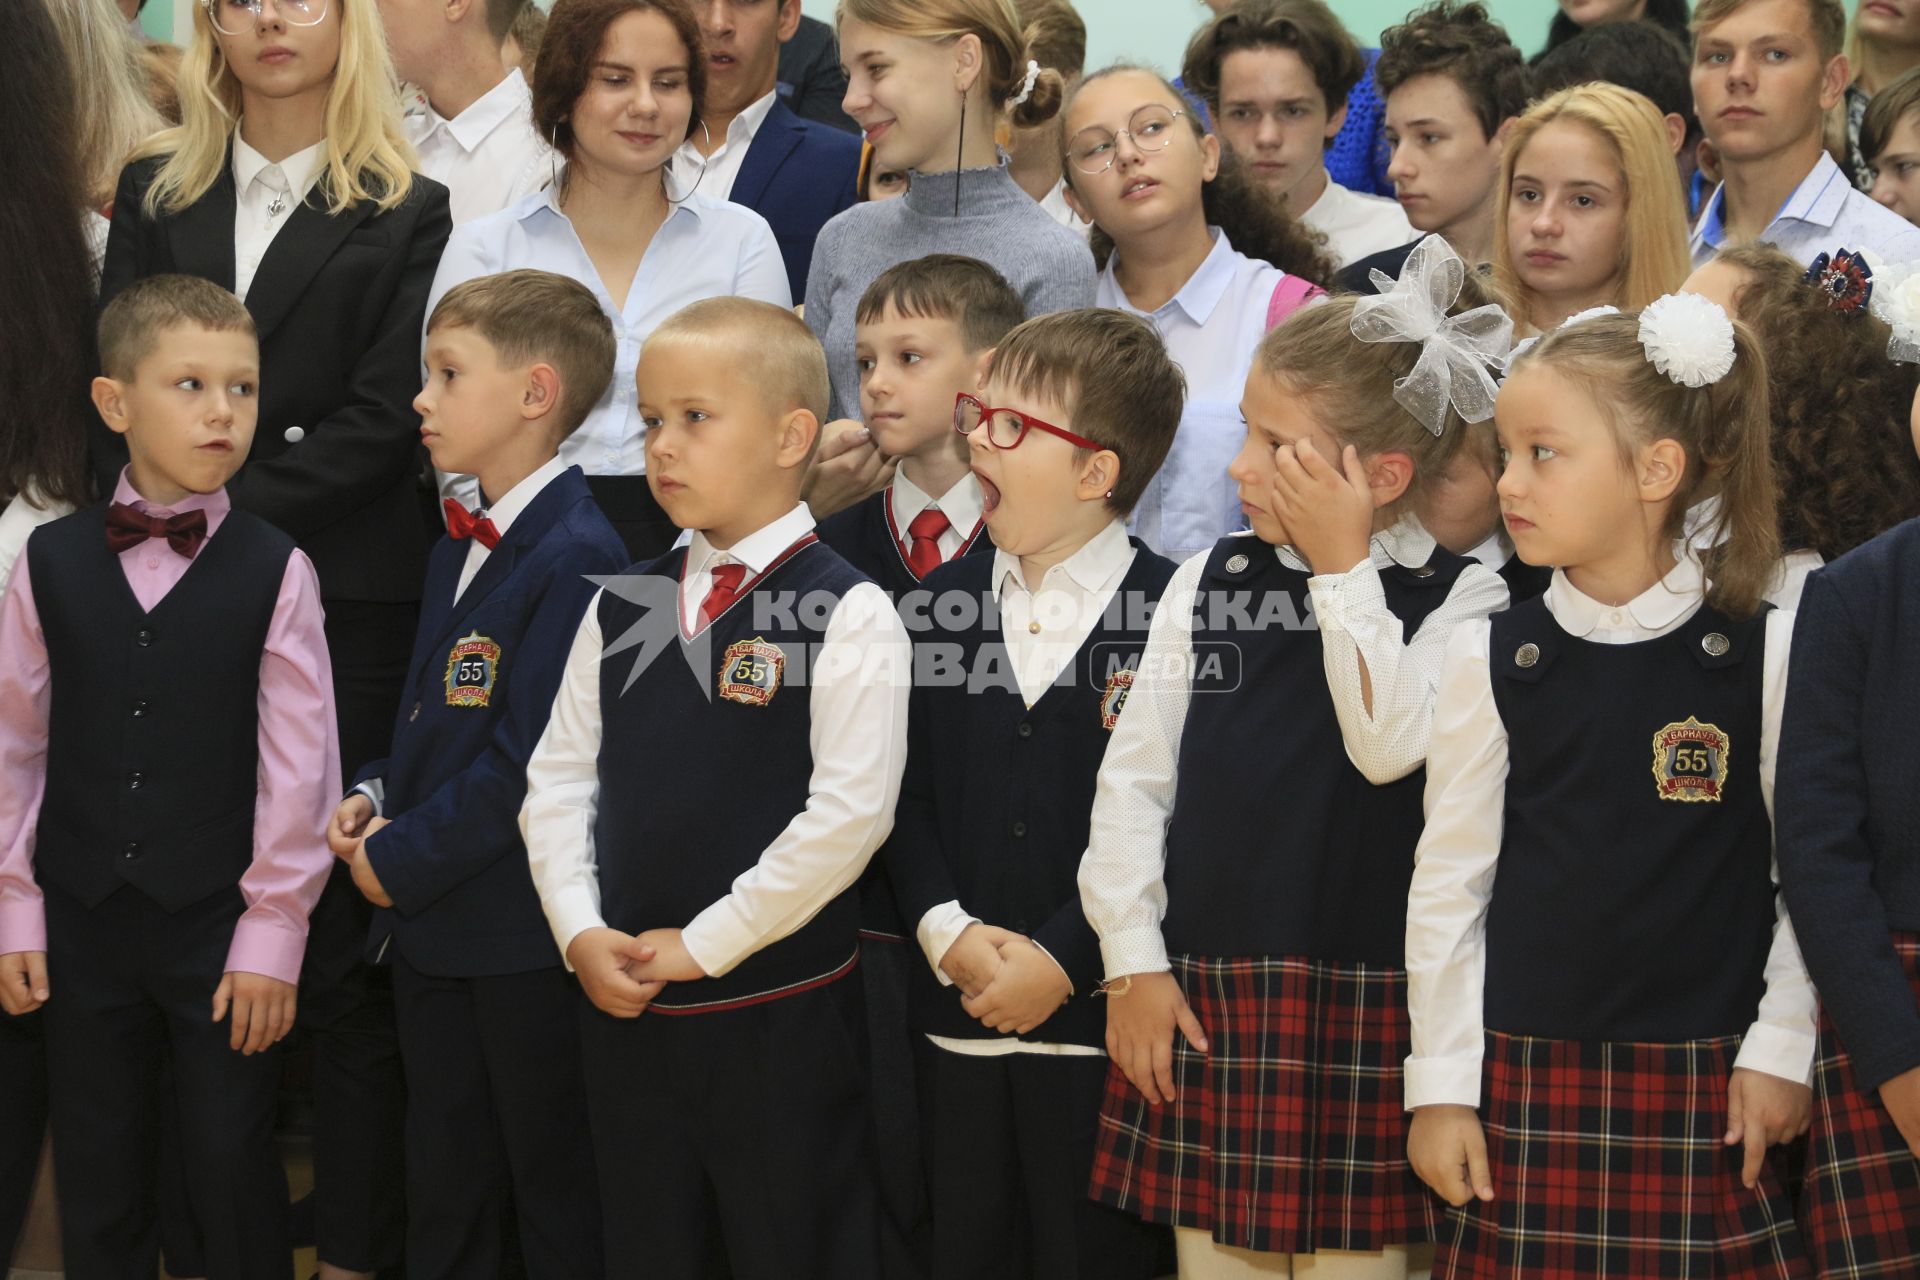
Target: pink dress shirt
x,y
299,754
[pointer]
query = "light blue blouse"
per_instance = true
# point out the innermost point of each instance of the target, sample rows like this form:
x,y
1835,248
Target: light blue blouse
x,y
706,248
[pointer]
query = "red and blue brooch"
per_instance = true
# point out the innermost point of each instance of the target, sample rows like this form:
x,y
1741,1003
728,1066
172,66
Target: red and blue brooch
x,y
1845,280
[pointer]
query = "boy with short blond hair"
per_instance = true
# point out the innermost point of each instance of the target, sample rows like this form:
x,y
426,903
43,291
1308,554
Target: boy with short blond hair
x,y
722,759
1011,715
488,1036
167,761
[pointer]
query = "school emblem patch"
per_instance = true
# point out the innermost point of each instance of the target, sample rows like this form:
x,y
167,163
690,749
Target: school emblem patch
x,y
1690,762
1114,700
750,672
472,668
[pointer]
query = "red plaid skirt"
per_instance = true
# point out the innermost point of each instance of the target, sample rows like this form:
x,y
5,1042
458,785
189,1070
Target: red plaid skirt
x,y
1861,1207
1289,1136
1607,1161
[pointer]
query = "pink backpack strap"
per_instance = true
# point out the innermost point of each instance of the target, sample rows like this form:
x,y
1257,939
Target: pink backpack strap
x,y
1289,296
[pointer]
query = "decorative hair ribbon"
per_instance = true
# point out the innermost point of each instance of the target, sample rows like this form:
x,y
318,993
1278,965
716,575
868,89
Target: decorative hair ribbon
x,y
1845,279
1687,337
1896,302
1455,351
1026,88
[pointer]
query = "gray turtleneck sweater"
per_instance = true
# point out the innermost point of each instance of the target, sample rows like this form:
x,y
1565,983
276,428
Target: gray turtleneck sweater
x,y
1047,264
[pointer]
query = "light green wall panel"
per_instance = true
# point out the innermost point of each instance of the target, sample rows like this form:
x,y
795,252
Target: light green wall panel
x,y
1155,31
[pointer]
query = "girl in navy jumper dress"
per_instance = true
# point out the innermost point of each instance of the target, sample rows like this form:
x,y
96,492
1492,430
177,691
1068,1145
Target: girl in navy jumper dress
x,y
1612,1027
1256,1011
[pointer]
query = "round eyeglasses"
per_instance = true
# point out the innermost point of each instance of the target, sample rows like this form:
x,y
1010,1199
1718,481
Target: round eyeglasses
x,y
1006,428
1092,149
236,17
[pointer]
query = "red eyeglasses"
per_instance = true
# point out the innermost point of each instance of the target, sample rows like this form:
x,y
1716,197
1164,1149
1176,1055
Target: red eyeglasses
x,y
1006,428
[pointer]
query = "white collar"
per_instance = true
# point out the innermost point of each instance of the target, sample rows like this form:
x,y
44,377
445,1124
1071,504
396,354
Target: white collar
x,y
302,168
1405,542
548,199
740,133
961,504
521,496
1099,558
1494,551
484,114
757,550
1203,289
1654,611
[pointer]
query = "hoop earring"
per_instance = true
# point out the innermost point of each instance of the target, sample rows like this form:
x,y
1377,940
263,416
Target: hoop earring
x,y
698,178
553,159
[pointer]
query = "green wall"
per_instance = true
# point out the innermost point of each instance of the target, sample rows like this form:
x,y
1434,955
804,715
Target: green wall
x,y
1156,31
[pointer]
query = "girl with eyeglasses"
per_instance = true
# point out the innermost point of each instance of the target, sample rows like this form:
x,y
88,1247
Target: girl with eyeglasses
x,y
288,182
1188,243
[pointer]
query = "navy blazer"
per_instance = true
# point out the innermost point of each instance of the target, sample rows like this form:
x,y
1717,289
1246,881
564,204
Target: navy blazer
x,y
481,685
797,174
1846,810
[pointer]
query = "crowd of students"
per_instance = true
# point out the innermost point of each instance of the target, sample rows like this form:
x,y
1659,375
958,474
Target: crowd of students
x,y
797,650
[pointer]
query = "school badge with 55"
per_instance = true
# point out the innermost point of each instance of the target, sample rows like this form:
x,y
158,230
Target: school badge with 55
x,y
1690,762
472,668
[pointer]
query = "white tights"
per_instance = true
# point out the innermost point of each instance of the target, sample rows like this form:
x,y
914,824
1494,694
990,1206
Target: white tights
x,y
1202,1259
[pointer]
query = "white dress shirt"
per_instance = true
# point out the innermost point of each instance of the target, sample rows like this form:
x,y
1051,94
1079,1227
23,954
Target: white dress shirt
x,y
26,512
266,194
713,176
705,249
1358,225
1456,864
1790,579
961,504
1069,603
488,156
857,692
1824,213
1211,328
1122,885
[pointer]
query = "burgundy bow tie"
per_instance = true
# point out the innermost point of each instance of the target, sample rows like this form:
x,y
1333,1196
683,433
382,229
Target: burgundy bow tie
x,y
128,528
462,523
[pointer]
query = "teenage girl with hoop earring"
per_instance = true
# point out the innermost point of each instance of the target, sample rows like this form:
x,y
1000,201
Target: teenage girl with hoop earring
x,y
618,86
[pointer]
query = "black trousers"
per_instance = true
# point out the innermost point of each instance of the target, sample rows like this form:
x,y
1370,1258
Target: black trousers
x,y
23,1121
635,514
1009,1143
346,1005
906,1223
744,1132
496,1125
133,988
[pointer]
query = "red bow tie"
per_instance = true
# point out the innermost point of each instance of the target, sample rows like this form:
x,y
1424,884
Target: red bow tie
x,y
462,523
128,528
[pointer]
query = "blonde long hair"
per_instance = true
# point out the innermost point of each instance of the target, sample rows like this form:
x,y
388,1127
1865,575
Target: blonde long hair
x,y
112,113
1653,244
368,158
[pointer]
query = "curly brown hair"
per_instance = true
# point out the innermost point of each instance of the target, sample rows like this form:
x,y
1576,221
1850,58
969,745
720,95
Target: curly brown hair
x,y
1308,27
1842,455
1459,41
1255,221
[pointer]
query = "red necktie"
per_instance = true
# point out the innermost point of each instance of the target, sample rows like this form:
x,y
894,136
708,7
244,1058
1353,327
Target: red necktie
x,y
462,523
128,528
923,552
725,590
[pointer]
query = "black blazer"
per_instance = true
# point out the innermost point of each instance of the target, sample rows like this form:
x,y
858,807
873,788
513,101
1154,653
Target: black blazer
x,y
797,175
339,302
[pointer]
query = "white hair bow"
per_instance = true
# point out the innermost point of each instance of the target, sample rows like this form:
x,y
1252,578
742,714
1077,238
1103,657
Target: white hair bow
x,y
1455,351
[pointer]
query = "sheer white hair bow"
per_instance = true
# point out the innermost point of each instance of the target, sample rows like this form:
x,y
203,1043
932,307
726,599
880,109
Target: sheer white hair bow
x,y
1896,300
1455,351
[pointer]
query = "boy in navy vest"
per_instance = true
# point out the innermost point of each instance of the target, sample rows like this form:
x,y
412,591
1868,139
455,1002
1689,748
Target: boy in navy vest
x,y
488,1033
722,760
923,333
1011,715
167,740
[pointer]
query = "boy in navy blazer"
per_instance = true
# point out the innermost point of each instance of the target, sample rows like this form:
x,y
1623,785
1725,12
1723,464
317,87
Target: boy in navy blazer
x,y
795,173
488,1036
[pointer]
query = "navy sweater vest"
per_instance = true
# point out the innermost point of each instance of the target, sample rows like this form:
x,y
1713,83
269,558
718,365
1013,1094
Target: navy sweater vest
x,y
1277,845
1002,794
152,742
701,771
1634,899
865,537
